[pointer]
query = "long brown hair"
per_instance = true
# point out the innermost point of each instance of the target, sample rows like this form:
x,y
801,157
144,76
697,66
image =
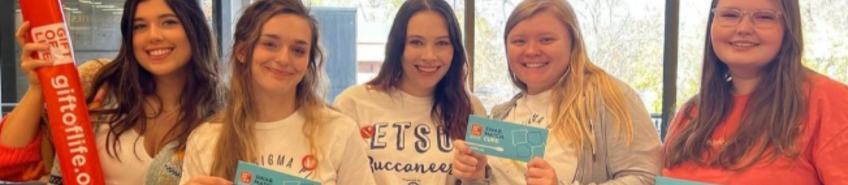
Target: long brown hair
x,y
128,83
576,91
237,141
451,98
770,120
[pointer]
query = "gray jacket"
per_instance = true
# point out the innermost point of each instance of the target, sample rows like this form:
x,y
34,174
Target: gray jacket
x,y
614,162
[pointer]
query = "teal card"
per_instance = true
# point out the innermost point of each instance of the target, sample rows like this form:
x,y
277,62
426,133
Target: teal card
x,y
672,181
505,139
250,174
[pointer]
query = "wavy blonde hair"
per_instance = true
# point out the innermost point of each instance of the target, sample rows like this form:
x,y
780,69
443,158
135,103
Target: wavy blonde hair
x,y
577,108
237,141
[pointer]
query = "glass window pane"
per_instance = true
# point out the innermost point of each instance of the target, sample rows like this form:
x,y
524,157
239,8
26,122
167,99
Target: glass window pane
x,y
94,32
826,37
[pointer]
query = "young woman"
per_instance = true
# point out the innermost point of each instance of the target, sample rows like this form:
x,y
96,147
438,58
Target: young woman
x,y
276,116
600,131
418,103
163,83
760,116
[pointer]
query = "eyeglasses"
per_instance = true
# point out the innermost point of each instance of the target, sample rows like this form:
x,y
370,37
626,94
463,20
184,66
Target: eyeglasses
x,y
729,17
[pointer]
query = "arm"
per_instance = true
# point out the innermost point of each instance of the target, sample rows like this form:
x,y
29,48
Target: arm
x,y
194,164
21,125
640,161
21,164
830,151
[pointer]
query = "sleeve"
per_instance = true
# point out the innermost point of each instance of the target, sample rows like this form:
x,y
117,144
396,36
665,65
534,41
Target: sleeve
x,y
355,165
194,163
21,164
830,151
640,161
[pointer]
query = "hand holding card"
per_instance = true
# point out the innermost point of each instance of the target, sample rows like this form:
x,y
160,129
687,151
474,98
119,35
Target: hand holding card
x,y
504,139
468,165
539,172
250,174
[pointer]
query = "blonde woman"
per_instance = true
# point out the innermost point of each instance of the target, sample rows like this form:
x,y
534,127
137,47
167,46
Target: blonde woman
x,y
275,116
601,132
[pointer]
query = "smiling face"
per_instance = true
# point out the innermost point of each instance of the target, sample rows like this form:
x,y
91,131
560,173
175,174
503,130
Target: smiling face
x,y
281,55
428,53
746,44
159,40
539,51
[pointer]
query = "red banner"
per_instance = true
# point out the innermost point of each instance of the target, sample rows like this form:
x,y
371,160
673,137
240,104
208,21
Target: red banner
x,y
63,94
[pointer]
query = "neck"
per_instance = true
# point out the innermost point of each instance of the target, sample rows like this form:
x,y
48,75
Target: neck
x,y
537,90
275,106
744,80
168,90
412,89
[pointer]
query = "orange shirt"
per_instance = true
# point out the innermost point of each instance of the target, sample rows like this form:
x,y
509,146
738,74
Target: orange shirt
x,y
823,144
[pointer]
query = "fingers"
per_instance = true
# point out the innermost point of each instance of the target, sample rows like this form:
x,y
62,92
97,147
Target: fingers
x,y
539,172
466,164
537,162
459,145
29,49
32,65
20,35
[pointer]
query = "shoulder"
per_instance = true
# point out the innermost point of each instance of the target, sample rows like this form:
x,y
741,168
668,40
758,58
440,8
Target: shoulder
x,y
339,121
361,93
205,134
354,91
477,105
822,87
501,110
88,71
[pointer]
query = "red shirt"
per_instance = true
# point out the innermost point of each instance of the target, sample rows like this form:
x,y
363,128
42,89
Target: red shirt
x,y
823,144
21,164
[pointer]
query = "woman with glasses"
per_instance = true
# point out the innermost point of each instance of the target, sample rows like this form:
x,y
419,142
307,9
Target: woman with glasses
x,y
760,116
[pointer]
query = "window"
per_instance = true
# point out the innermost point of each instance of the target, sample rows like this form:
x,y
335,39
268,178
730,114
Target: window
x,y
825,40
625,38
94,33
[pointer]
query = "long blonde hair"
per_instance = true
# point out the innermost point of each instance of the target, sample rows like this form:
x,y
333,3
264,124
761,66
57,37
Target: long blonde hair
x,y
237,141
575,93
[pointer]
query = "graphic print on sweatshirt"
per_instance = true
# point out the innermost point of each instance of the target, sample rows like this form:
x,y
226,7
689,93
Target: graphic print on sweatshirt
x,y
297,165
411,153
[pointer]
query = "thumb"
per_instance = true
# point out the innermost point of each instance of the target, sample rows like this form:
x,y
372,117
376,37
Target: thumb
x,y
460,146
537,162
